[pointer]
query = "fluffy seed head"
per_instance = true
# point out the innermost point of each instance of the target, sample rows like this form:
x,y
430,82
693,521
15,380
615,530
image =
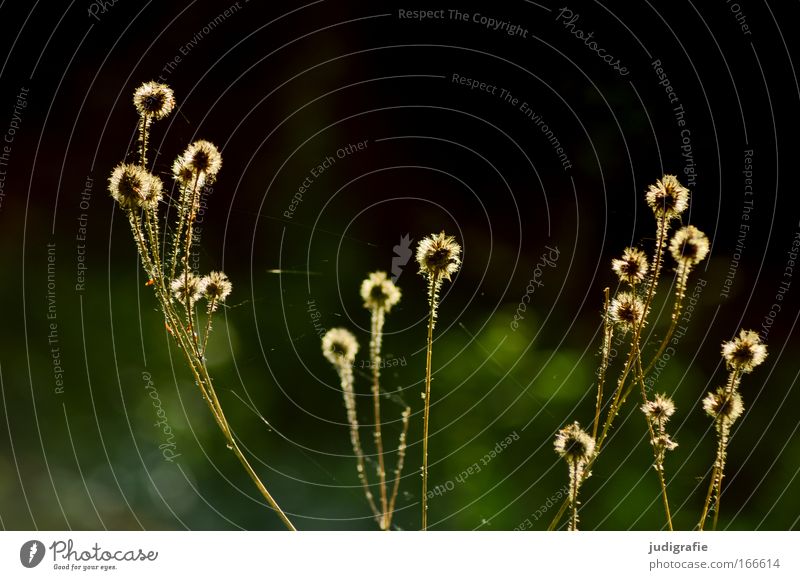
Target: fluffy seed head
x,y
339,346
667,197
154,100
185,175
632,267
378,291
202,157
438,256
186,288
133,187
664,441
627,310
574,444
215,287
689,246
660,409
745,352
723,406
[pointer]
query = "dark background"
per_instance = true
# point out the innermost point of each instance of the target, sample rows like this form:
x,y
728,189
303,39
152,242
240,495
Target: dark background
x,y
279,86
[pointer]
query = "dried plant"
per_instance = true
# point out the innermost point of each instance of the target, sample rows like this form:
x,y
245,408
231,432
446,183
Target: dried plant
x,y
439,257
340,347
627,312
725,406
139,194
576,447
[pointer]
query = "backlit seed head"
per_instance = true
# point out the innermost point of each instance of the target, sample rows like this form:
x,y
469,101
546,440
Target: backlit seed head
x,y
574,444
689,246
664,441
154,100
339,346
133,187
185,175
632,267
745,352
660,409
723,406
627,310
215,288
186,289
203,157
667,197
438,256
378,291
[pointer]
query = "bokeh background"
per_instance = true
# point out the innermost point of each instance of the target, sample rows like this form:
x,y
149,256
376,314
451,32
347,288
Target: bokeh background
x,y
281,86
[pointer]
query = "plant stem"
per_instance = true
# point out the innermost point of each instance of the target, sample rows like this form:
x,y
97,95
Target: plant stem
x,y
375,360
401,454
432,293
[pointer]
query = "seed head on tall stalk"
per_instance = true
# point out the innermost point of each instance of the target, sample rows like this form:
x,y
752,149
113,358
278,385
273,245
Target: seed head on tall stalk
x,y
439,257
138,194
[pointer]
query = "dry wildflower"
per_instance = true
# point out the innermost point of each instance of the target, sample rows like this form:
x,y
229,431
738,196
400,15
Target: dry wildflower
x,y
745,352
438,256
627,310
339,346
379,292
723,405
133,187
215,287
186,289
184,174
154,100
659,410
663,442
574,444
632,267
667,197
689,246
203,158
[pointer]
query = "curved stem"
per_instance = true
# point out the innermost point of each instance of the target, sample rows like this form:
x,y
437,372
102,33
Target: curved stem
x,y
375,361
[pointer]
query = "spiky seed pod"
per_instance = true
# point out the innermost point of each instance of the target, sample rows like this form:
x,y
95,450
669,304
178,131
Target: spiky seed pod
x,y
627,310
215,287
203,158
574,444
133,187
667,197
438,256
689,246
632,267
379,292
186,286
665,442
660,409
724,406
154,100
339,346
745,352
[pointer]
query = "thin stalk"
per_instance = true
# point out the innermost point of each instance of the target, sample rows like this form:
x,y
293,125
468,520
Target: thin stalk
x,y
680,294
401,454
375,361
432,293
210,314
573,525
608,333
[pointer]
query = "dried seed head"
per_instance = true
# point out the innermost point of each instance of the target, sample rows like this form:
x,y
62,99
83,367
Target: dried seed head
x,y
185,175
186,287
745,352
664,441
689,246
667,197
339,346
574,444
202,157
378,291
438,256
215,287
632,267
627,310
723,406
660,409
154,100
133,187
